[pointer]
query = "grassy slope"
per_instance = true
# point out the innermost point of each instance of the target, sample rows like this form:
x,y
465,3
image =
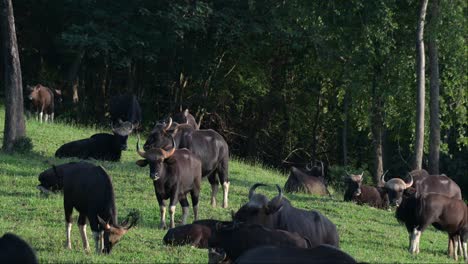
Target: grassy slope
x,y
368,234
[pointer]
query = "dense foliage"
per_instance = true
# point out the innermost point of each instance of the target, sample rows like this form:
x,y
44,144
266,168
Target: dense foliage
x,y
274,77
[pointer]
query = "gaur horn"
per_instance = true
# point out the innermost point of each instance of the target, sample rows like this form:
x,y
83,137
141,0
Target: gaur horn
x,y
169,125
280,193
140,152
252,189
383,177
309,166
169,153
410,183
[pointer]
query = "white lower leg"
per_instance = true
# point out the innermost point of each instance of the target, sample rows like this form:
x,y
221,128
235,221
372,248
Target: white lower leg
x,y
225,194
97,241
456,245
40,117
195,213
214,191
84,237
162,211
185,212
418,237
46,117
68,232
465,251
52,117
172,213
413,242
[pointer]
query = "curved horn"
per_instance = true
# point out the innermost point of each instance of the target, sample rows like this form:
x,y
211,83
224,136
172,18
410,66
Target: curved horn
x,y
410,183
169,125
383,177
169,153
280,193
140,152
347,173
309,166
252,189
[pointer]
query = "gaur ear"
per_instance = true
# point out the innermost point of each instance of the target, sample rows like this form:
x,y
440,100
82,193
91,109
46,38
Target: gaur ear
x,y
103,223
141,162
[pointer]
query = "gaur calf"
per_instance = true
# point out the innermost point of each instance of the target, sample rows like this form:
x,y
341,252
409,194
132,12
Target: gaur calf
x,y
43,101
196,234
174,173
87,188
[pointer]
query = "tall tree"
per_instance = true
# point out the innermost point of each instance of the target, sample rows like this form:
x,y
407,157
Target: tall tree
x,y
15,127
434,139
421,89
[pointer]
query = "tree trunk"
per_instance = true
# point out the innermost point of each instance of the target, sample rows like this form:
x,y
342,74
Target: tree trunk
x,y
434,140
72,76
15,126
377,128
420,98
345,129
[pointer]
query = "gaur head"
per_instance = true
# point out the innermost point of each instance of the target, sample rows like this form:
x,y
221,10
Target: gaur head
x,y
354,182
259,210
315,168
155,158
181,117
160,136
113,233
50,181
32,90
121,130
395,188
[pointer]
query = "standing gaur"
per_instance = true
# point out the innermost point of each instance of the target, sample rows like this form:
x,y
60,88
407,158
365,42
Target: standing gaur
x,y
87,188
174,173
43,101
205,143
278,213
364,194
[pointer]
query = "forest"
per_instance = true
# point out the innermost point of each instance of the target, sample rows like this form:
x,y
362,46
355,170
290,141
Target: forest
x,y
284,82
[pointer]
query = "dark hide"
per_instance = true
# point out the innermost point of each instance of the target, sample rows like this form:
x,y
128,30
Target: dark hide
x,y
231,241
206,143
185,118
418,176
196,234
444,213
439,184
364,194
125,108
280,214
174,175
300,180
324,254
87,188
15,250
100,146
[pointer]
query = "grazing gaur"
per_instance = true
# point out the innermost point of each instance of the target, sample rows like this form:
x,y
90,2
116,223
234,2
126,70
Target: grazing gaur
x,y
174,173
417,212
101,146
43,101
185,117
324,254
311,180
124,109
364,194
196,234
228,242
87,188
13,249
278,213
205,143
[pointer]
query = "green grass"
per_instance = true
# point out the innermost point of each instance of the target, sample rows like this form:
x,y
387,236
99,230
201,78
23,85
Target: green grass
x,y
368,234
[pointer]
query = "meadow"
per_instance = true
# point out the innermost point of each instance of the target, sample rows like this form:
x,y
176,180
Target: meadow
x,y
368,234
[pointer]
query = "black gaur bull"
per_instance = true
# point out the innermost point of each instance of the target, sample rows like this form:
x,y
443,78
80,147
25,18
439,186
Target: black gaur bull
x,y
101,146
196,234
228,242
278,213
311,180
205,143
417,212
13,249
174,173
363,194
323,254
122,109
87,188
185,118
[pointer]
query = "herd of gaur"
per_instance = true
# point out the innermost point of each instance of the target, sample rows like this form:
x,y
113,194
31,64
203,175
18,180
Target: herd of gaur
x,y
179,155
